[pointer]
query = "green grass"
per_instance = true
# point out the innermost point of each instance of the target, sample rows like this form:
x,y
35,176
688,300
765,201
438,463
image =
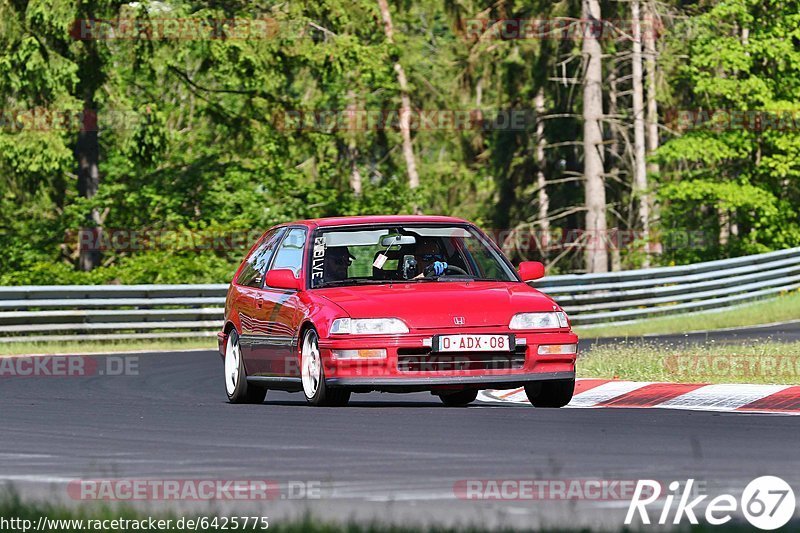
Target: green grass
x,y
779,309
22,348
758,362
11,507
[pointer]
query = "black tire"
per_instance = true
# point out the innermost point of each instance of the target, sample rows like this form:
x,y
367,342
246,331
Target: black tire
x,y
317,391
554,393
460,398
236,386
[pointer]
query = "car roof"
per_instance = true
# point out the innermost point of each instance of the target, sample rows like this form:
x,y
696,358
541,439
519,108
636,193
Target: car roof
x,y
378,219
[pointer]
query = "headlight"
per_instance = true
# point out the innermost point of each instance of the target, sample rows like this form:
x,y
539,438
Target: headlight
x,y
368,326
553,320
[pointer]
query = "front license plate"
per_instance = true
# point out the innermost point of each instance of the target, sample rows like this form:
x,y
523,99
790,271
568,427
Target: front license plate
x,y
473,343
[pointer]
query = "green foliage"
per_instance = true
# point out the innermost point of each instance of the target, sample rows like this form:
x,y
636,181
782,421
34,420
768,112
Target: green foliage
x,y
736,164
194,134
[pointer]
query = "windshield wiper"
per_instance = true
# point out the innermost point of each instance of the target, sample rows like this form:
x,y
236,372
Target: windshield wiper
x,y
341,282
461,277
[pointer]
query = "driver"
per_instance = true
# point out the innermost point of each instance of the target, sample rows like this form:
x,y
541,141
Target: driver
x,y
337,261
429,254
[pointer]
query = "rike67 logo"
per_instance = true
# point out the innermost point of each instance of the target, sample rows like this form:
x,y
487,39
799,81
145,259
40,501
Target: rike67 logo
x,y
767,502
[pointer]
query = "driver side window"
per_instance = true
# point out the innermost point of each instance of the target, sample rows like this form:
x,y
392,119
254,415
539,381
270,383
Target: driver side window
x,y
255,267
290,253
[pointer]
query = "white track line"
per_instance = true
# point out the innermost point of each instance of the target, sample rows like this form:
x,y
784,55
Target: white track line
x,y
605,392
722,397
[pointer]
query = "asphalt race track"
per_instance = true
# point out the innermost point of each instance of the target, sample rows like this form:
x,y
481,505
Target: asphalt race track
x,y
387,457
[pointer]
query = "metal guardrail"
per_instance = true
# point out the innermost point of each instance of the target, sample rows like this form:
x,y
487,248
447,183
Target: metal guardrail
x,y
637,294
110,312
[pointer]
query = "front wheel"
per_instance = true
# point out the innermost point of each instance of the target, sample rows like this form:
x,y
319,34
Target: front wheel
x,y
315,389
553,393
460,398
236,386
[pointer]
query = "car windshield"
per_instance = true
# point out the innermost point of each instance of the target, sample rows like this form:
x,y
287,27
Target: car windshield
x,y
405,253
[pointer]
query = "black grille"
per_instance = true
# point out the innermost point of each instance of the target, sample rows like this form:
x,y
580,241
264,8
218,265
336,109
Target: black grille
x,y
422,360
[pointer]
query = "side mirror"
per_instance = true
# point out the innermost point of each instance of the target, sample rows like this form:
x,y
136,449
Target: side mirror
x,y
530,270
283,278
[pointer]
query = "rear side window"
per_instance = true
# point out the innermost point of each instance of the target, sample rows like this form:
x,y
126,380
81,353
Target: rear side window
x,y
255,266
290,252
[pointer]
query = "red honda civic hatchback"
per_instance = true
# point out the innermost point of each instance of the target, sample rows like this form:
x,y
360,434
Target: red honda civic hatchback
x,y
335,306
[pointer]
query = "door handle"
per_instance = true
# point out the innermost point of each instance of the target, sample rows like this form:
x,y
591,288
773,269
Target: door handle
x,y
259,302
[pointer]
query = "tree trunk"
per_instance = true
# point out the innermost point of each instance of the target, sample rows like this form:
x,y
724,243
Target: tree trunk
x,y
614,159
352,148
724,227
613,111
405,101
616,255
649,39
355,174
87,152
542,220
640,187
596,256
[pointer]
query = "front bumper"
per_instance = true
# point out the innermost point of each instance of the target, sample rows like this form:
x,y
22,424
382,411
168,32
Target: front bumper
x,y
510,381
393,374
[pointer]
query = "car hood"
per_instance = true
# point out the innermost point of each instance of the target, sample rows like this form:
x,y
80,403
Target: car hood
x,y
438,304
